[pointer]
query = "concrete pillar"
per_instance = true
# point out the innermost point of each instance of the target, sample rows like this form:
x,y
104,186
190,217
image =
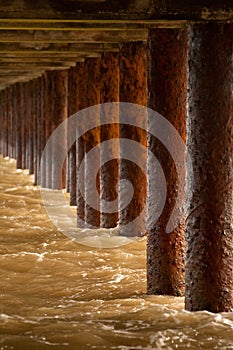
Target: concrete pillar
x,y
109,171
209,227
167,85
133,89
60,112
92,139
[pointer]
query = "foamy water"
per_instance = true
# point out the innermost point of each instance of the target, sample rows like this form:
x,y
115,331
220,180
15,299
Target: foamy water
x,y
58,294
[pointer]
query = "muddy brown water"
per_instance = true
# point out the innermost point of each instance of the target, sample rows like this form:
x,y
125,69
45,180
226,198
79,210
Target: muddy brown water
x,y
58,294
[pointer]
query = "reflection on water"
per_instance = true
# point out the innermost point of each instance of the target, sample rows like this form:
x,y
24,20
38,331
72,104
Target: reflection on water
x,y
57,294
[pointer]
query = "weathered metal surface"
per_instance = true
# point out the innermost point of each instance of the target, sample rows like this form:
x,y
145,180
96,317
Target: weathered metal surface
x,y
43,136
80,149
109,171
59,114
133,89
31,129
18,126
38,125
167,84
23,124
209,265
73,105
4,134
2,116
29,47
9,100
48,109
27,121
92,139
34,118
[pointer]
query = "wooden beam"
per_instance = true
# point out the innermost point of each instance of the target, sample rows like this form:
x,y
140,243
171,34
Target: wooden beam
x,y
18,78
70,36
36,59
117,10
54,57
30,66
16,73
21,77
74,25
55,48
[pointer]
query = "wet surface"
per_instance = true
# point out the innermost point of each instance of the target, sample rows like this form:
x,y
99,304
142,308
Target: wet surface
x,y
209,228
57,294
167,83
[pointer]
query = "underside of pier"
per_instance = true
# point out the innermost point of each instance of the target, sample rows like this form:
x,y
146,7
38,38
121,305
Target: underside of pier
x,y
175,58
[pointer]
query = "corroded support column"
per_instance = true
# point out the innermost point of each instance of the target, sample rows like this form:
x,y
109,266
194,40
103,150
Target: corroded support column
x,y
73,107
209,226
42,129
4,123
43,136
109,171
38,129
14,119
80,149
35,138
92,139
24,125
27,124
19,126
34,119
48,126
9,118
46,166
133,89
60,112
30,127
167,84
1,123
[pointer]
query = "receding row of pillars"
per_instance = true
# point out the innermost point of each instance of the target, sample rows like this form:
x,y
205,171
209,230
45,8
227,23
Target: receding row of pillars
x,y
186,75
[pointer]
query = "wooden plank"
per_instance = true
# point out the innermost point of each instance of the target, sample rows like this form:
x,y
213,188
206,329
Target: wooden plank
x,y
70,36
53,24
29,65
55,48
36,59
